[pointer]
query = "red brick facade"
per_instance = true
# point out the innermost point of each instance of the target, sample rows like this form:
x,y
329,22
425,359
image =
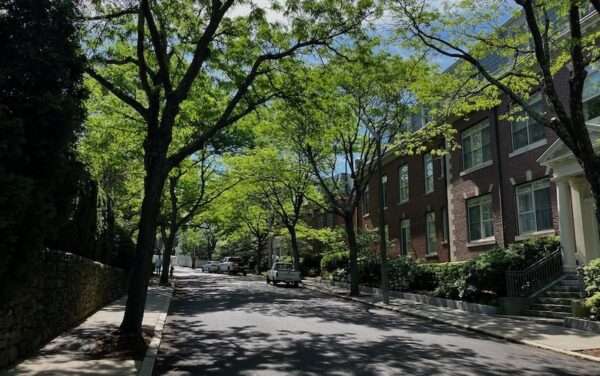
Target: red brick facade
x,y
497,179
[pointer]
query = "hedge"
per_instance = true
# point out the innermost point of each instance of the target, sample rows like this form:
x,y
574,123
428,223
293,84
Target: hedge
x,y
480,279
591,279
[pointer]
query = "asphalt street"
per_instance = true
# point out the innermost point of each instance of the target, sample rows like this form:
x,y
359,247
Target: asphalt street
x,y
234,325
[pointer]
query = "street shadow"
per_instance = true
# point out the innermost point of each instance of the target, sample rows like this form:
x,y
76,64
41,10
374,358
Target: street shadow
x,y
407,346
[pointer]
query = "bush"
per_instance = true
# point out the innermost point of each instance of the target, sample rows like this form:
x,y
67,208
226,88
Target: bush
x,y
445,280
335,261
310,265
591,277
485,273
593,304
534,250
402,273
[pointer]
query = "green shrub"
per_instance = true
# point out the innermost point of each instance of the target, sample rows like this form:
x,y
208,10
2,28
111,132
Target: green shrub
x,y
534,250
334,261
593,304
445,280
402,273
591,277
426,278
310,265
485,273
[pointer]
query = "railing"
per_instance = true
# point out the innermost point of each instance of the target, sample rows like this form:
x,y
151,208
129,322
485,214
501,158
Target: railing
x,y
524,282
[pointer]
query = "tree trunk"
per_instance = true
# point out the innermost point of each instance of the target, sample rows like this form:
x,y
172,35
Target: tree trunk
x,y
169,241
156,174
353,248
259,250
294,241
211,250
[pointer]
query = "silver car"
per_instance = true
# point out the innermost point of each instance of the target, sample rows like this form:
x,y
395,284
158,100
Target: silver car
x,y
210,267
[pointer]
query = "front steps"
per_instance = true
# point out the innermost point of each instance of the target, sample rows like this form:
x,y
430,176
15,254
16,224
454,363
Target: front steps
x,y
555,302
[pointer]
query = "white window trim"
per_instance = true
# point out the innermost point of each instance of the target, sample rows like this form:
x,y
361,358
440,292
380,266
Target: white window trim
x,y
535,215
529,147
480,214
400,201
428,251
402,238
535,234
432,188
478,167
470,131
480,242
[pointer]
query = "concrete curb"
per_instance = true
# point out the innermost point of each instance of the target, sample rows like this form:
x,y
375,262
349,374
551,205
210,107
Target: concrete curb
x,y
438,302
150,358
457,325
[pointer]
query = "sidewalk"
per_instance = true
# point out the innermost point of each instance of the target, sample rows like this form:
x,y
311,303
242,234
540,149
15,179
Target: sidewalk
x,y
67,353
550,337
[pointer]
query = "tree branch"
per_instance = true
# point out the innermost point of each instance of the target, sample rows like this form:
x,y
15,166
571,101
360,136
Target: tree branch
x,y
129,100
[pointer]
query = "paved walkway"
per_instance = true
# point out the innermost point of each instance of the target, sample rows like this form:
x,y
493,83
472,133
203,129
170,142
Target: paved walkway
x,y
67,353
551,337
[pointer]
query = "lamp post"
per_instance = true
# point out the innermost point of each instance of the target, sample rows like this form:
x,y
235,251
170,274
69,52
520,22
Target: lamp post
x,y
385,291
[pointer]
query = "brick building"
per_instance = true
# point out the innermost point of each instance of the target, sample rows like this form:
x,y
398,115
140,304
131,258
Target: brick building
x,y
492,191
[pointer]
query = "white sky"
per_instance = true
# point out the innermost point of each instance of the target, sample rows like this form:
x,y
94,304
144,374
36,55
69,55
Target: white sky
x,y
244,9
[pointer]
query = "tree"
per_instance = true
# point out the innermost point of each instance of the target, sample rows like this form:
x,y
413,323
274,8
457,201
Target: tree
x,y
109,148
282,177
544,38
192,186
255,221
340,121
41,113
210,231
186,63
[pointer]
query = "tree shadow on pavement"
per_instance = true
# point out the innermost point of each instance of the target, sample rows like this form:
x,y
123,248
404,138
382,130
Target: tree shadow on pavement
x,y
400,345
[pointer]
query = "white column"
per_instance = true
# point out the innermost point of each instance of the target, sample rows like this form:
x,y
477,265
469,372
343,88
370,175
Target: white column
x,y
565,217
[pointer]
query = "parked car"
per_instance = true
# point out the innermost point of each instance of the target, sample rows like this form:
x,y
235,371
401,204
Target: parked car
x,y
283,272
210,267
233,265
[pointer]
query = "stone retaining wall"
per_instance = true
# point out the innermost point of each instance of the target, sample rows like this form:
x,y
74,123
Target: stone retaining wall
x,y
65,290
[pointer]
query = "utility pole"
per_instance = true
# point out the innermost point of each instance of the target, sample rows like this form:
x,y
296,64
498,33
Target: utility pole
x,y
385,290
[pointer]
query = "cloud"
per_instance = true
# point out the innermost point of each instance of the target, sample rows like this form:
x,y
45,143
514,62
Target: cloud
x,y
272,15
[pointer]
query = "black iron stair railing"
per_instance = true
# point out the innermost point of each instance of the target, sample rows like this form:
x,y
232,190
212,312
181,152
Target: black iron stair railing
x,y
524,282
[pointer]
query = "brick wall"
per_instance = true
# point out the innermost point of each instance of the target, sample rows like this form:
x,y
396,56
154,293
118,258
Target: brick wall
x,y
64,290
415,209
465,186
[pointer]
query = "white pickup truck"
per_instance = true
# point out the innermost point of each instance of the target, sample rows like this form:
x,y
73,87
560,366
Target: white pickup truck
x,y
282,272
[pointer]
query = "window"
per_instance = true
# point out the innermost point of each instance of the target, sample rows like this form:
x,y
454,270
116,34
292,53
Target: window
x,y
366,202
431,240
476,145
479,217
405,237
442,165
403,179
591,97
329,220
384,185
525,130
534,205
428,167
320,220
386,231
